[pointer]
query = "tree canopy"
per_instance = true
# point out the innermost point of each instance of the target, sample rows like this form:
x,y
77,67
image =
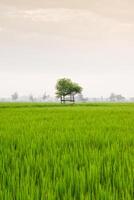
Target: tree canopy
x,y
65,87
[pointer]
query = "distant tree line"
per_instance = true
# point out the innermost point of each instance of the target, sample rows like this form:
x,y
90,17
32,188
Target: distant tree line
x,y
31,98
116,97
67,90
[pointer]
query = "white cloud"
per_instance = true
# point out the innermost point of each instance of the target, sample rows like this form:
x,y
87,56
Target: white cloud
x,y
54,15
81,24
74,16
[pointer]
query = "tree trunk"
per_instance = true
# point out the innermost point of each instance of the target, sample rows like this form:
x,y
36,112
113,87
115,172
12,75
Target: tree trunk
x,y
73,99
61,99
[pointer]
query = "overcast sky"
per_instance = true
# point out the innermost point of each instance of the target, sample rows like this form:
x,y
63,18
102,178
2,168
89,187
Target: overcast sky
x,y
89,41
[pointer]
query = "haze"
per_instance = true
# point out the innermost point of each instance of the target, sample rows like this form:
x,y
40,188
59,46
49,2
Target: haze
x,y
89,41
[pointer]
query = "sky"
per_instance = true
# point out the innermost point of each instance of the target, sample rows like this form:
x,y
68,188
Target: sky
x,y
89,41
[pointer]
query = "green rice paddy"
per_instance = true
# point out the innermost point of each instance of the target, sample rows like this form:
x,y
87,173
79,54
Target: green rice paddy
x,y
73,152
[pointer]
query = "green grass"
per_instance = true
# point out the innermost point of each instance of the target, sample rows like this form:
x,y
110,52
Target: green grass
x,y
55,152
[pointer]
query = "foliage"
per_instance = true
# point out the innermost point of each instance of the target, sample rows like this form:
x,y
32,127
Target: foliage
x,y
31,98
66,87
116,97
56,152
14,96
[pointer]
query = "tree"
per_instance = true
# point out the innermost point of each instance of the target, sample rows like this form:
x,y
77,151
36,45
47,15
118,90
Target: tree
x,y
15,96
119,97
45,97
112,97
116,97
65,87
31,98
80,98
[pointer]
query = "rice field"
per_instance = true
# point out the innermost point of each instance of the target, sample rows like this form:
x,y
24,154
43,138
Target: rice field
x,y
57,152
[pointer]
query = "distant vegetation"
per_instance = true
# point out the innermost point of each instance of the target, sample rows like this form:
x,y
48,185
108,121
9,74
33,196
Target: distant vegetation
x,y
66,90
65,87
57,152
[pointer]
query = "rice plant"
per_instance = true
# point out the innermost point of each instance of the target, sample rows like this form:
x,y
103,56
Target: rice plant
x,y
57,152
